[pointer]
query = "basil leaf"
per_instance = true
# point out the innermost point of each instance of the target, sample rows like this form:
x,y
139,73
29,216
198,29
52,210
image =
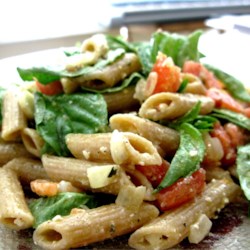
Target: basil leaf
x,y
2,92
44,209
132,79
204,123
243,168
56,116
144,54
48,74
231,116
188,117
183,85
180,47
115,42
234,86
187,158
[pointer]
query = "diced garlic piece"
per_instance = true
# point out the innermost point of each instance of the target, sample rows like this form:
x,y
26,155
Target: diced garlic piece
x,y
101,176
200,229
131,197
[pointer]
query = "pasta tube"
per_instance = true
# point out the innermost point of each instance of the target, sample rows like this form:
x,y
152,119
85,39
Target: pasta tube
x,y
27,169
172,227
129,148
32,141
76,172
11,150
14,119
14,212
166,105
112,74
89,226
165,139
120,148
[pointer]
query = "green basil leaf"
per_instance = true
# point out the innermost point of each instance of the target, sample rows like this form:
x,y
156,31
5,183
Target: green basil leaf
x,y
233,85
44,209
187,158
48,74
180,47
183,85
243,168
144,54
231,116
115,42
189,116
56,116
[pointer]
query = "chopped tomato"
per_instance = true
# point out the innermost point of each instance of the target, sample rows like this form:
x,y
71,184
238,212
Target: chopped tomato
x,y
154,173
52,88
203,73
184,190
230,137
224,100
168,75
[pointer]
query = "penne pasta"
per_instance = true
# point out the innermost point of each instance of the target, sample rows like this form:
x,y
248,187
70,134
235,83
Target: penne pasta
x,y
129,148
11,150
168,105
194,85
121,101
32,141
112,74
91,147
75,171
89,226
165,139
27,169
120,148
14,212
172,227
14,119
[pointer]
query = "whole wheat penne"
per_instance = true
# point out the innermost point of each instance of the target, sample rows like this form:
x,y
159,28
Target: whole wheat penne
x,y
172,227
121,101
91,147
27,169
14,119
92,49
14,212
119,148
166,105
32,141
11,150
165,139
130,148
75,171
89,226
194,85
112,74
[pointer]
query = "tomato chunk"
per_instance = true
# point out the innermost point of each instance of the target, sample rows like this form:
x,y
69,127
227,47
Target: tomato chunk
x,y
52,88
203,73
154,173
230,137
184,190
224,100
168,75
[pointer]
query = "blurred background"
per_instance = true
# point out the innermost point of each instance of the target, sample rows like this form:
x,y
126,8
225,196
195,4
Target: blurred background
x,y
34,25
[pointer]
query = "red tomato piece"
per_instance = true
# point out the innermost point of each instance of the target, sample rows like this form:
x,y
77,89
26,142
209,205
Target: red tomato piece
x,y
203,73
154,173
224,100
184,190
168,75
52,88
228,141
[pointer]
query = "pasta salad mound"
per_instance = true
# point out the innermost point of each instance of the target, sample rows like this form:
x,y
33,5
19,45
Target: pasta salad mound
x,y
123,138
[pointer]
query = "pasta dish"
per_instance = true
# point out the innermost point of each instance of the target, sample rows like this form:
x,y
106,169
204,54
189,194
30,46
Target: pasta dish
x,y
123,138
